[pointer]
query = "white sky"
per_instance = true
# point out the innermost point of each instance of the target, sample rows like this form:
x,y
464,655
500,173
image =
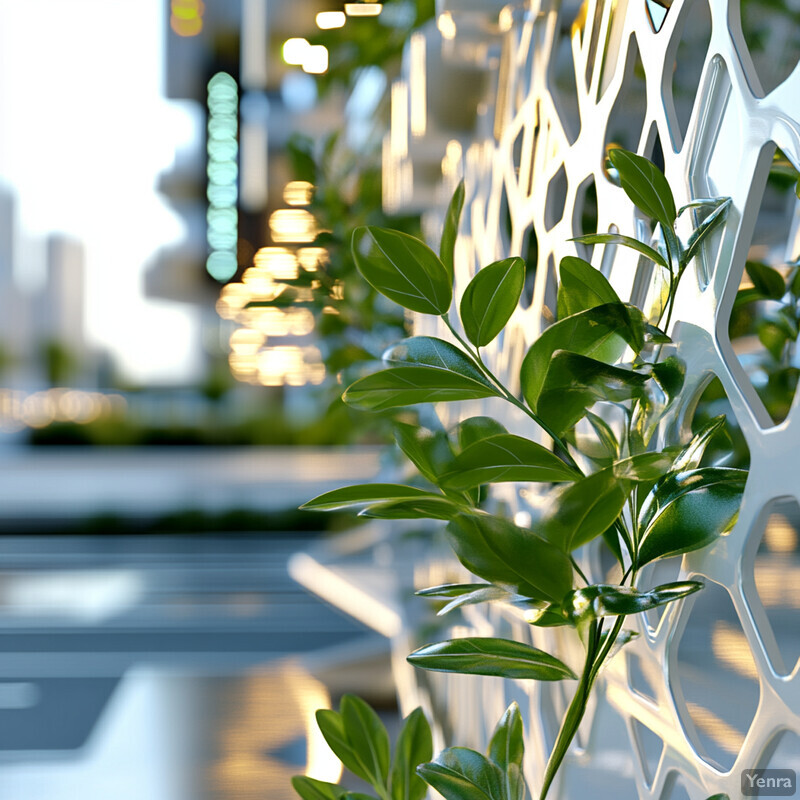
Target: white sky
x,y
84,132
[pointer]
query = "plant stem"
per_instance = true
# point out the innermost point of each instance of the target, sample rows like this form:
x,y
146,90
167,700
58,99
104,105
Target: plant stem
x,y
575,712
578,569
476,356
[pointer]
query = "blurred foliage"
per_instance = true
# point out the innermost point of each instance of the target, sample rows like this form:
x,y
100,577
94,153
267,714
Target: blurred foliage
x,y
370,41
339,425
58,362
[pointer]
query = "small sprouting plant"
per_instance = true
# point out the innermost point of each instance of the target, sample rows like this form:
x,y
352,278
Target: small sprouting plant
x,y
600,381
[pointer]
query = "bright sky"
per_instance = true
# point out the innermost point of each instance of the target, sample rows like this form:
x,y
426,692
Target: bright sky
x,y
84,132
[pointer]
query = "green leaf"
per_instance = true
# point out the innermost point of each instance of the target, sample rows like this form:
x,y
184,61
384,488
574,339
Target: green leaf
x,y
720,796
669,375
403,268
773,334
312,789
357,796
766,280
603,600
575,382
489,593
504,458
600,332
689,510
583,510
368,737
414,746
506,746
645,185
691,455
582,287
429,451
644,466
625,241
490,299
406,386
462,774
654,335
365,494
434,507
474,429
332,727
605,434
450,230
432,352
715,218
500,552
702,202
490,656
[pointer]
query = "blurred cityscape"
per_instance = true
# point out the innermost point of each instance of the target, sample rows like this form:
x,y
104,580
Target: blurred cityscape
x,y
154,643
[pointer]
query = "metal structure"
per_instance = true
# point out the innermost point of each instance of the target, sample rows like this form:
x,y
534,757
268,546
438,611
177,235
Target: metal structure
x,y
709,88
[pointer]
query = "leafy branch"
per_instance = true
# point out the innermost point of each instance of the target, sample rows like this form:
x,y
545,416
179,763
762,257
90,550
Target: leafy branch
x,y
600,360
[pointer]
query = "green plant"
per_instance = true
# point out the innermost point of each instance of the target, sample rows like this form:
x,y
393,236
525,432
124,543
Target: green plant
x,y
360,741
609,473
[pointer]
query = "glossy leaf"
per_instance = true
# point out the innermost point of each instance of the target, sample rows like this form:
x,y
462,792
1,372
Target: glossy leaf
x,y
432,352
654,335
312,789
462,774
503,458
605,435
403,268
583,510
645,185
490,656
332,728
365,494
506,746
433,507
500,552
669,375
715,218
481,593
429,451
767,281
689,510
450,230
574,383
691,455
603,600
406,386
625,241
414,746
490,299
367,736
582,287
474,429
644,467
601,333
702,202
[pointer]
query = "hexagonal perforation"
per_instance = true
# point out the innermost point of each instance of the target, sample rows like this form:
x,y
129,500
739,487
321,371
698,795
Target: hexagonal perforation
x,y
729,447
584,214
562,84
783,752
640,680
674,789
763,332
776,578
530,252
694,35
706,682
556,199
626,120
656,13
648,747
770,33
